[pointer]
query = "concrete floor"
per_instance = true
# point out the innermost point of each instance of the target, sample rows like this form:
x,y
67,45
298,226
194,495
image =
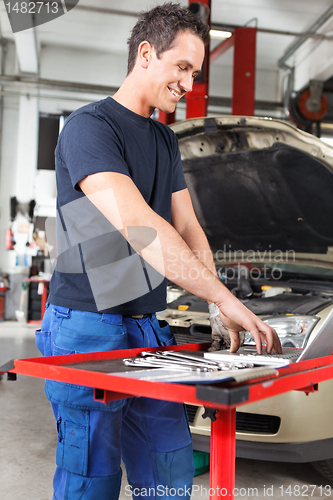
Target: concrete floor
x,y
28,441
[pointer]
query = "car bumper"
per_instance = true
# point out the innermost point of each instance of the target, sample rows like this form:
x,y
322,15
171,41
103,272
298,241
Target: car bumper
x,y
310,451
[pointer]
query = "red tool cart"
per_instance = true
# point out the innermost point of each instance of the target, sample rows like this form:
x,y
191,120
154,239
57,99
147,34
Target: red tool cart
x,y
98,370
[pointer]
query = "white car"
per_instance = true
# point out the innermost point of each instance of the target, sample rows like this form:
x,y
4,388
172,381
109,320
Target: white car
x,y
263,193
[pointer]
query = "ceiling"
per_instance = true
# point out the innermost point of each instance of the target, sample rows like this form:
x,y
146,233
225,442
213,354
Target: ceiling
x,y
94,25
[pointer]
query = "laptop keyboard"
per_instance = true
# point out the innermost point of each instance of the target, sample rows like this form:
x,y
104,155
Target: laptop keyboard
x,y
286,354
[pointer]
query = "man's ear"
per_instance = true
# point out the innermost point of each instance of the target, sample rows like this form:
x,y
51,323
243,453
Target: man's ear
x,y
145,54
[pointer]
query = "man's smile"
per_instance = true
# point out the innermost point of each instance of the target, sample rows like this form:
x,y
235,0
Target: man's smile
x,y
176,94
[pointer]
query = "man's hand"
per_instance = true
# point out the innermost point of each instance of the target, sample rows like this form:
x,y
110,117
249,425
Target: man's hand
x,y
236,317
222,337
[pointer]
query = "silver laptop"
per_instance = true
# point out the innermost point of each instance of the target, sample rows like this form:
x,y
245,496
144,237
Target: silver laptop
x,y
321,345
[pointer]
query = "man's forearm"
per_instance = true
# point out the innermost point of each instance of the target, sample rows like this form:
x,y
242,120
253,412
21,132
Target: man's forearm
x,y
196,239
192,270
118,199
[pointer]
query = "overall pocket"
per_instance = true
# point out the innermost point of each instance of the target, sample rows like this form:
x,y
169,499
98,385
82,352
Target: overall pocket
x,y
73,440
86,332
43,334
43,342
162,332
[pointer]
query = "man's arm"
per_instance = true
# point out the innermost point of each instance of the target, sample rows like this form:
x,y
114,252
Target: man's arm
x,y
184,220
180,265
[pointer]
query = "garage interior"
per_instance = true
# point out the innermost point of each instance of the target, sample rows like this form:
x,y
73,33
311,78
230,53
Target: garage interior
x,y
279,51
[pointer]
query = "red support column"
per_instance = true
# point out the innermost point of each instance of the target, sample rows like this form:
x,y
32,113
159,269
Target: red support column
x,y
44,299
223,455
243,91
197,100
166,118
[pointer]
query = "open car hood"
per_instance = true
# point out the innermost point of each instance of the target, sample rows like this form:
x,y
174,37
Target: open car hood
x,y
258,185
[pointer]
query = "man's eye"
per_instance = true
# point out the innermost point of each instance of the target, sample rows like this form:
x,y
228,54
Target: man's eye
x,y
181,68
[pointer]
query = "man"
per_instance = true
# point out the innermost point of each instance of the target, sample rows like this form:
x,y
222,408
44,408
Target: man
x,y
122,206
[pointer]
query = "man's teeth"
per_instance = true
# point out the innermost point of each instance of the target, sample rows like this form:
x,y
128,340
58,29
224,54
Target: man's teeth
x,y
174,93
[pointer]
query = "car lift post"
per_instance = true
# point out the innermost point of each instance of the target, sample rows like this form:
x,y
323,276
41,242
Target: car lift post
x,y
197,100
166,118
244,68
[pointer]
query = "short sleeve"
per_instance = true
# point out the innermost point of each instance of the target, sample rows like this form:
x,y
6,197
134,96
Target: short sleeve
x,y
179,182
89,145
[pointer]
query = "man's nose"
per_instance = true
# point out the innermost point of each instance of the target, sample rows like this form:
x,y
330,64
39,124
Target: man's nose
x,y
187,83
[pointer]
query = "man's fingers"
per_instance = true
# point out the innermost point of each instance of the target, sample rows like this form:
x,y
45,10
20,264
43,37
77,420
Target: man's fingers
x,y
272,342
259,335
257,339
276,344
235,342
270,338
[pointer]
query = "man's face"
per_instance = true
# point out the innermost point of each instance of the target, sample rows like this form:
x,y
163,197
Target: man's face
x,y
171,76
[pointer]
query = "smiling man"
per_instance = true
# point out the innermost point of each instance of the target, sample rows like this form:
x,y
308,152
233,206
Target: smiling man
x,y
159,80
123,208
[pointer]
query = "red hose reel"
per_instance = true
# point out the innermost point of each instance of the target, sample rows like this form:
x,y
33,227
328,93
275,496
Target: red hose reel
x,y
308,106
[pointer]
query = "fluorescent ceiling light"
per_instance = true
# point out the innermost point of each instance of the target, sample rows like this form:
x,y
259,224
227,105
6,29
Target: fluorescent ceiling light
x,y
220,34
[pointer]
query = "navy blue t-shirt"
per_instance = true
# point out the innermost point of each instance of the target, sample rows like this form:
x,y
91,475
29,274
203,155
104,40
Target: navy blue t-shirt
x,y
97,270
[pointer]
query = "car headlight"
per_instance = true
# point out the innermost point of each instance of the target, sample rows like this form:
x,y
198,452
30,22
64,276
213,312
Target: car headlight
x,y
293,331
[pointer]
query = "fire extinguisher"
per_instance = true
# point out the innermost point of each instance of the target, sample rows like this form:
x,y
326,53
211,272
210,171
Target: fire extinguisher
x,y
10,239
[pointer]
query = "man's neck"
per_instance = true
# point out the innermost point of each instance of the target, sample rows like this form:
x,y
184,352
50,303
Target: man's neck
x,y
130,96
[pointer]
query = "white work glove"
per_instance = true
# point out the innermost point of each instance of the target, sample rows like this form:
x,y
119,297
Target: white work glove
x,y
220,334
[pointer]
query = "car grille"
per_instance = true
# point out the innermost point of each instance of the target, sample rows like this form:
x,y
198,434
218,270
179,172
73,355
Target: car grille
x,y
191,412
247,422
254,422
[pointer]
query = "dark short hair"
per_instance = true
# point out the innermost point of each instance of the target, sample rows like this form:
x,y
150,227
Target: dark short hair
x,y
160,26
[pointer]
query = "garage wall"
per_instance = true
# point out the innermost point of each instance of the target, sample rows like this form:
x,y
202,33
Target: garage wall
x,y
98,68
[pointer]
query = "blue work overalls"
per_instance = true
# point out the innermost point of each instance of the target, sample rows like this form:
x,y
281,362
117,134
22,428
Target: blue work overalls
x,y
152,437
